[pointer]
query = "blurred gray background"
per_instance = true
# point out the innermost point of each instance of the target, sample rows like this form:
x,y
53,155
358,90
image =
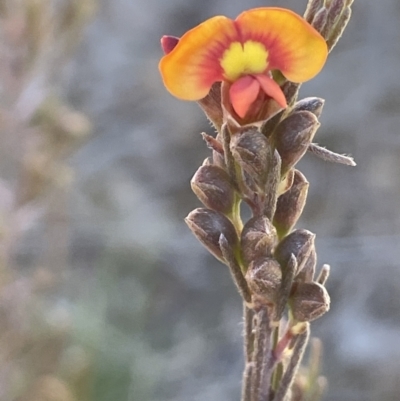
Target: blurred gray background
x,y
160,316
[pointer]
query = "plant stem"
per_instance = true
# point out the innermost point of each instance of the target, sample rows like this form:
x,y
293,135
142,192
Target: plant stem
x,y
275,378
248,333
261,355
294,363
247,380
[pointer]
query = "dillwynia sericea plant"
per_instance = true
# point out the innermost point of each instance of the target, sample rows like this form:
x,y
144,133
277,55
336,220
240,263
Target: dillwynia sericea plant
x,y
245,74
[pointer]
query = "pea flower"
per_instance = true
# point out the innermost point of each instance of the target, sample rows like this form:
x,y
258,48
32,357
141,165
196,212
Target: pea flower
x,y
243,53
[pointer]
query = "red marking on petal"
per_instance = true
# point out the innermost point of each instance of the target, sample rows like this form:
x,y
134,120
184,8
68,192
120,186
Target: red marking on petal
x,y
168,43
271,88
294,46
243,93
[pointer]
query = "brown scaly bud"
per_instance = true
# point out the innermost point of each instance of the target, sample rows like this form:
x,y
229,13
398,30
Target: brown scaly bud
x,y
211,105
291,91
258,239
311,104
319,20
335,10
208,225
168,43
313,7
268,126
309,301
306,275
288,274
213,187
299,243
218,156
286,183
207,161
290,205
264,278
292,137
339,28
252,151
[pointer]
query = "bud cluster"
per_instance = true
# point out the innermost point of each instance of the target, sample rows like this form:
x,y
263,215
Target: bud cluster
x,y
329,17
259,168
273,264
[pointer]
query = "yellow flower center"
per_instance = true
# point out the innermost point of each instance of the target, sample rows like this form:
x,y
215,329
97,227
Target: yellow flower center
x,y
240,59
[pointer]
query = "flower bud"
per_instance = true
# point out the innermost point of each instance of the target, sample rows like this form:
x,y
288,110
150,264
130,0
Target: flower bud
x,y
168,43
306,274
312,8
268,126
211,105
339,27
288,274
291,91
299,243
218,159
252,151
312,104
272,185
290,205
258,239
319,20
264,278
309,301
335,11
286,182
207,161
213,187
292,137
208,225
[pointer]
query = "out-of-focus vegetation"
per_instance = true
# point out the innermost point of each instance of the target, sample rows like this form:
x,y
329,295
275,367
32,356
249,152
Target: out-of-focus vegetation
x,y
39,359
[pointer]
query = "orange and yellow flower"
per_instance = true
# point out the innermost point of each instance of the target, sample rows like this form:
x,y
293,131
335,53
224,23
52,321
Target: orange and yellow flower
x,y
243,52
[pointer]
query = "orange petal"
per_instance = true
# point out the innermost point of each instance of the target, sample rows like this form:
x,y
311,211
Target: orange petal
x,y
272,89
294,46
190,69
243,93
